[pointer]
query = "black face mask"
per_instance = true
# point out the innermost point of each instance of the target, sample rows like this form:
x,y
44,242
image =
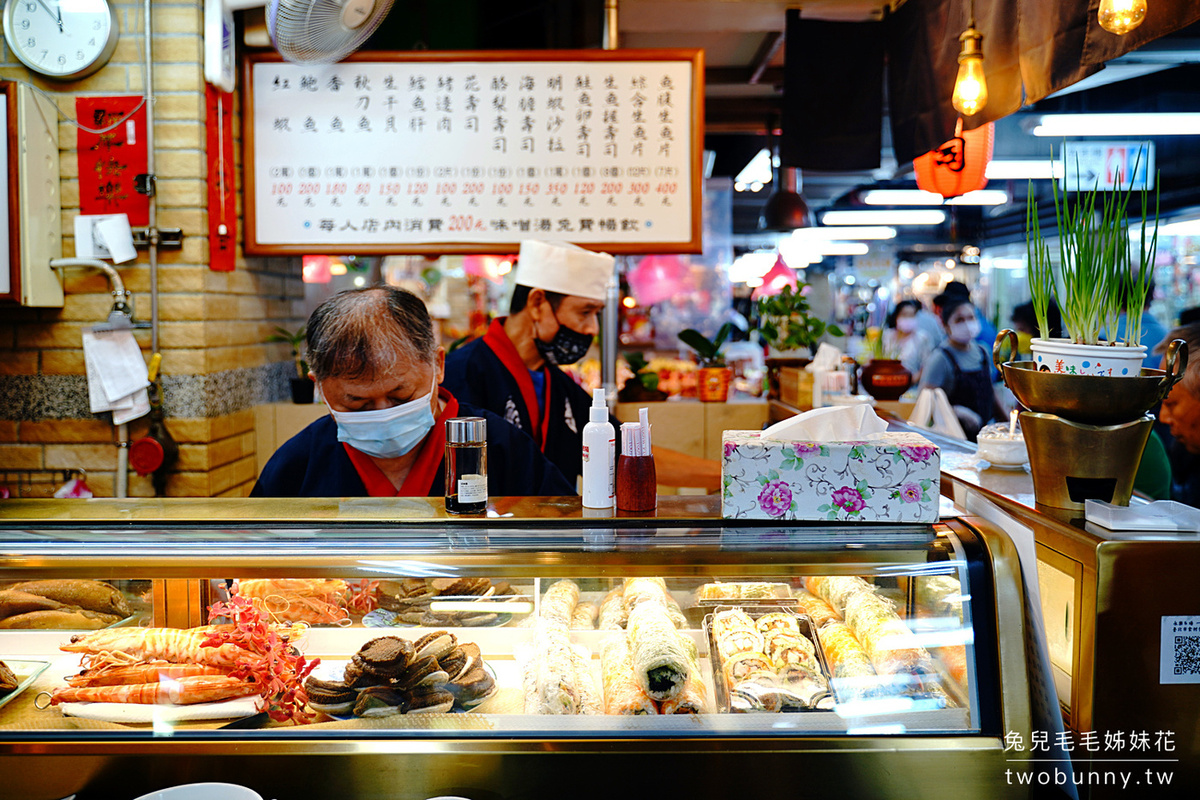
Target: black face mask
x,y
566,347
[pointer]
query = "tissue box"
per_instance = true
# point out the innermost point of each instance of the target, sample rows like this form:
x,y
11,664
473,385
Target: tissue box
x,y
887,477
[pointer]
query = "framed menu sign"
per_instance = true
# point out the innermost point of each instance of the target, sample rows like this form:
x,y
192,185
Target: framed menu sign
x,y
472,152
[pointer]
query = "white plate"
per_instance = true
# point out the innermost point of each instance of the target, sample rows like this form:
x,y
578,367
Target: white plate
x,y
26,672
146,713
204,791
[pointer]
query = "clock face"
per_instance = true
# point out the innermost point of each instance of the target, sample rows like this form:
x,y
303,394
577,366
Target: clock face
x,y
63,39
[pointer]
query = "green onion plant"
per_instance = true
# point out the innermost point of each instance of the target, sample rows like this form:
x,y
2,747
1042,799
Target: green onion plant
x,y
1041,269
1098,277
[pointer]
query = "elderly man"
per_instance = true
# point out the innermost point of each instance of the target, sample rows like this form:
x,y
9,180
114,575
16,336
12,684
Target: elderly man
x,y
375,360
1181,411
513,370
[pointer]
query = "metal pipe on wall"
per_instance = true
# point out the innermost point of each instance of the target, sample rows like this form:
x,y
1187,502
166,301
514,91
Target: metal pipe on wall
x,y
611,318
152,221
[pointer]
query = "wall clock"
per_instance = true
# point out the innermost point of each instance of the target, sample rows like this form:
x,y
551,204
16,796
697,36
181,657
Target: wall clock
x,y
61,39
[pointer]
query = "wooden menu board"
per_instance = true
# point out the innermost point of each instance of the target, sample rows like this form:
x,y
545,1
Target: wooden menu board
x,y
471,152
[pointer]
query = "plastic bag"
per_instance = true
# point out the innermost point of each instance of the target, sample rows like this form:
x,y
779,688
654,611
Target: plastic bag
x,y
933,411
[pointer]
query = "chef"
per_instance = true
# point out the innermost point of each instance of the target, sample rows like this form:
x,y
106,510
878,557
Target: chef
x,y
514,369
374,357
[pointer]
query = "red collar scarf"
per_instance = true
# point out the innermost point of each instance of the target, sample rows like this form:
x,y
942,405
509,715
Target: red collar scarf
x,y
424,470
499,343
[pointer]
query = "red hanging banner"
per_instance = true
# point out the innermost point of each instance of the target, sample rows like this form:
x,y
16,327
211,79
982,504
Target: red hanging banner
x,y
109,161
222,199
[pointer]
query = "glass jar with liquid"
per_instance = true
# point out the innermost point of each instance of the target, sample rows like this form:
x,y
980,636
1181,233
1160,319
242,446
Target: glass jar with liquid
x,y
466,465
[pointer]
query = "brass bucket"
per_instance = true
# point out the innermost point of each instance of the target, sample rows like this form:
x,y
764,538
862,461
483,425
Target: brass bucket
x,y
1073,462
1090,399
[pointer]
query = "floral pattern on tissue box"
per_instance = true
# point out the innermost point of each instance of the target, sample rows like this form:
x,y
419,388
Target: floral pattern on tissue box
x,y
890,477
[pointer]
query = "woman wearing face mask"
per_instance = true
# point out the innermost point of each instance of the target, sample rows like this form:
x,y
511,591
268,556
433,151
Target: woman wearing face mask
x,y
961,367
375,360
904,337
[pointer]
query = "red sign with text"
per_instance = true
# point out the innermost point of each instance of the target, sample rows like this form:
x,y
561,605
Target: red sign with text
x,y
110,161
222,192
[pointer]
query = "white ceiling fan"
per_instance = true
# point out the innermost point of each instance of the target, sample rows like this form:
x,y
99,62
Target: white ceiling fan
x,y
303,31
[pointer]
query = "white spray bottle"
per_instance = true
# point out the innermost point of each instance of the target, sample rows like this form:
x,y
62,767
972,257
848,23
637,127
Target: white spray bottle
x,y
599,455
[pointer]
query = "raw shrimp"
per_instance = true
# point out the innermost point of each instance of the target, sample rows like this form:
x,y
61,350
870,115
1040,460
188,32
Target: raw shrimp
x,y
315,601
152,672
159,644
184,691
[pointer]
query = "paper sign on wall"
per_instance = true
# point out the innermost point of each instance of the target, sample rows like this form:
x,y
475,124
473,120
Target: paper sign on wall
x,y
475,152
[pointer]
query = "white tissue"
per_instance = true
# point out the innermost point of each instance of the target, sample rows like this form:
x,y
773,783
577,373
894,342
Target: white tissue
x,y
117,237
104,236
827,358
832,424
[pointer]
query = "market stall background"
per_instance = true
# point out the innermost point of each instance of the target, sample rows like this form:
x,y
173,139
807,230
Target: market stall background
x,y
217,364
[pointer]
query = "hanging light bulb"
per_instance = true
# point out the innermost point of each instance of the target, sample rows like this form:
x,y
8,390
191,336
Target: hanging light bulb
x,y
1121,16
970,87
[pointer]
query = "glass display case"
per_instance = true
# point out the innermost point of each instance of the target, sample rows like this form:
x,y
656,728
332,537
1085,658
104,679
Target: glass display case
x,y
523,653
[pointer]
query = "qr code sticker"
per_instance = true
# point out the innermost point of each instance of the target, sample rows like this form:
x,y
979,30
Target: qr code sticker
x,y
1187,655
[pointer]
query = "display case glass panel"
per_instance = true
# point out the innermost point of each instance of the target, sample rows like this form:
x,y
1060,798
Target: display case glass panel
x,y
489,629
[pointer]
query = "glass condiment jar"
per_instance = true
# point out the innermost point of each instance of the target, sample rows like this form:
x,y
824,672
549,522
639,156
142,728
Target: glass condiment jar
x,y
466,465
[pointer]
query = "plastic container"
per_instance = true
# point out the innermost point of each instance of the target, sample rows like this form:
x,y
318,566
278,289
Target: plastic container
x,y
599,455
1065,357
637,481
998,447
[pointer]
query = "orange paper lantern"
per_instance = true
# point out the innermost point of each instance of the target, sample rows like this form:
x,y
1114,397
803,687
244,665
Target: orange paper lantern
x,y
958,166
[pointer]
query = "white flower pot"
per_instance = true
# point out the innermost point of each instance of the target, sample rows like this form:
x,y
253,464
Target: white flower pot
x,y
1063,356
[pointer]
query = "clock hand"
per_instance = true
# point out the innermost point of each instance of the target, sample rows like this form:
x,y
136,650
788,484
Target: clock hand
x,y
57,17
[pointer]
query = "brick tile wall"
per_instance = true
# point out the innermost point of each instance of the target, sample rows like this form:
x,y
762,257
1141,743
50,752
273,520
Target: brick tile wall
x,y
213,326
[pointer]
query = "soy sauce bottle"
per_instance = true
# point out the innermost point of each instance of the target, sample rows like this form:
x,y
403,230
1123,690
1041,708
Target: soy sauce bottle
x,y
466,465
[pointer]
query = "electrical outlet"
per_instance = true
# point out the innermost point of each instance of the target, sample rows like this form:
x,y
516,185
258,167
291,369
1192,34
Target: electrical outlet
x,y
39,199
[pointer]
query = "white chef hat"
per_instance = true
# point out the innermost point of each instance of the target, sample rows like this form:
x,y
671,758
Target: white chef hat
x,y
564,268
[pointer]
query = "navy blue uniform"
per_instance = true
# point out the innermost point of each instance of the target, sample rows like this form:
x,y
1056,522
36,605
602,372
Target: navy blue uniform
x,y
475,374
313,463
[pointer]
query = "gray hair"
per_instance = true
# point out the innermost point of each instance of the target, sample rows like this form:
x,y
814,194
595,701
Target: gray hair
x,y
361,332
1191,335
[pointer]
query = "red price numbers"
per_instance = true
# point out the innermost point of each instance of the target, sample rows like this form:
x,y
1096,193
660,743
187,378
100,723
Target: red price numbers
x,y
667,188
585,188
458,222
529,188
309,188
608,187
447,188
389,189
502,188
472,188
362,188
418,188
639,188
556,188
335,188
281,188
